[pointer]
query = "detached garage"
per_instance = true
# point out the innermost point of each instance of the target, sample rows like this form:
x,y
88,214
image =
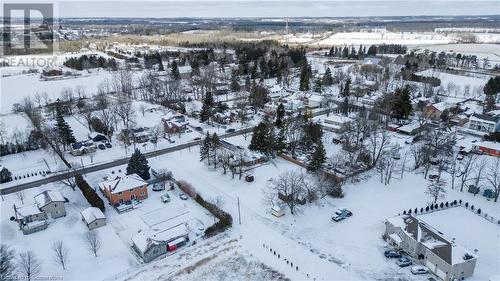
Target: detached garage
x,y
93,218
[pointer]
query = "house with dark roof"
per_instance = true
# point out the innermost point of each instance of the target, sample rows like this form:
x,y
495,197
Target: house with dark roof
x,y
443,256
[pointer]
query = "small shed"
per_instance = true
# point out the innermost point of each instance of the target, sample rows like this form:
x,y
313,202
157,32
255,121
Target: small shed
x,y
277,211
93,218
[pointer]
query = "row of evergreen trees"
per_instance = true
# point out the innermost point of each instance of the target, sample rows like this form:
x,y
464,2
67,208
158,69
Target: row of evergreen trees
x,y
362,52
90,61
89,193
33,142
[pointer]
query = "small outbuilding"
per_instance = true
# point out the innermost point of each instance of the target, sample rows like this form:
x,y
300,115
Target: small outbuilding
x,y
277,211
93,218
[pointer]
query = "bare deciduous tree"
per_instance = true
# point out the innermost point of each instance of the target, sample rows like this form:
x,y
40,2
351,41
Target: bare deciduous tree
x,y
465,171
436,190
7,266
93,242
28,265
60,253
21,195
290,188
493,178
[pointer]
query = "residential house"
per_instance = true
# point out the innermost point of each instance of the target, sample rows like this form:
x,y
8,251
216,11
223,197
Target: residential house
x,y
335,123
30,218
174,123
249,158
150,245
122,189
51,202
434,111
483,122
315,101
292,105
444,257
93,218
410,129
51,71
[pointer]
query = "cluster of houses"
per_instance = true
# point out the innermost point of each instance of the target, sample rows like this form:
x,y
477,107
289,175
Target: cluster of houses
x,y
294,101
35,217
443,256
48,206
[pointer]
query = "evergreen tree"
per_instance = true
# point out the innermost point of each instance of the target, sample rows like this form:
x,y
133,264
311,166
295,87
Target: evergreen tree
x,y
491,90
138,164
304,78
280,114
235,85
5,175
205,148
401,107
346,90
318,85
160,65
207,107
327,77
214,148
262,139
174,71
372,51
63,129
317,158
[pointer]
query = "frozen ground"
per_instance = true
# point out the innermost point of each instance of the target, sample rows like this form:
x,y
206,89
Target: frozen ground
x,y
457,83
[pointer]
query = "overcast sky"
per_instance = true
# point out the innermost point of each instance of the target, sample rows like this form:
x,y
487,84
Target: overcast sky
x,y
273,8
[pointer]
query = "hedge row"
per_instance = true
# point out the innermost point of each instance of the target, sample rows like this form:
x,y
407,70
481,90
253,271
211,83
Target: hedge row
x,y
89,193
225,219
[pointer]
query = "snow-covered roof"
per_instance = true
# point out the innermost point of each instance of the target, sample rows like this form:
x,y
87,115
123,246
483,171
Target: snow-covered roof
x,y
409,128
28,210
371,61
92,214
484,118
337,119
120,184
145,239
316,98
47,197
488,144
430,238
95,134
395,237
441,106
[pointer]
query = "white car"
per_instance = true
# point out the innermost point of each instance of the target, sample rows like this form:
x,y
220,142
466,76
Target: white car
x,y
418,269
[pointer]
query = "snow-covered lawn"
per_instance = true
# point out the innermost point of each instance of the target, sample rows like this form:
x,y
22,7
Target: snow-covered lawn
x,y
457,83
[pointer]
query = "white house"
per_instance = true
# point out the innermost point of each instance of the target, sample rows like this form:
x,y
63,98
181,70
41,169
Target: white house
x,y
335,123
315,101
443,256
93,218
483,123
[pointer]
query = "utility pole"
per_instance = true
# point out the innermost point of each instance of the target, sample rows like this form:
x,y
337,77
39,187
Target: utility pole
x,y
239,214
83,167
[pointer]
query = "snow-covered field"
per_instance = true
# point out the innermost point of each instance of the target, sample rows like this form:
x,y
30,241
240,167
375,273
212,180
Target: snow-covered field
x,y
456,84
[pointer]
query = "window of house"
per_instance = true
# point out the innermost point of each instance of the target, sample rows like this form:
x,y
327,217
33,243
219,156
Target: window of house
x,y
132,197
131,190
120,193
143,193
55,205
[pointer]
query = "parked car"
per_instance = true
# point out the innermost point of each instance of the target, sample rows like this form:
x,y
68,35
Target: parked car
x,y
101,146
183,196
158,187
165,198
418,269
341,214
460,157
231,130
249,178
392,254
199,129
403,261
197,139
108,145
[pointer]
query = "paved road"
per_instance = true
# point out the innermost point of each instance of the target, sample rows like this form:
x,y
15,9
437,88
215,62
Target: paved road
x,y
67,174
